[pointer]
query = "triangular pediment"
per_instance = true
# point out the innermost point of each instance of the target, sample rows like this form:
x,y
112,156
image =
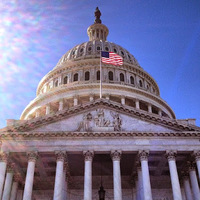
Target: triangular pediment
x,y
100,116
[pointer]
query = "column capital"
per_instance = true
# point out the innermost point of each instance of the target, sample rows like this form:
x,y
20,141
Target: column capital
x,y
191,166
4,157
143,155
196,154
17,177
32,156
88,155
60,155
171,155
11,167
116,155
185,175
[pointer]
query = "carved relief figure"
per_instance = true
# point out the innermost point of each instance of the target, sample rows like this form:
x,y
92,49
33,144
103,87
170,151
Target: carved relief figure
x,y
100,120
85,124
117,121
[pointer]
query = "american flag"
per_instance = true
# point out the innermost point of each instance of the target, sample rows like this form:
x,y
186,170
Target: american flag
x,y
111,58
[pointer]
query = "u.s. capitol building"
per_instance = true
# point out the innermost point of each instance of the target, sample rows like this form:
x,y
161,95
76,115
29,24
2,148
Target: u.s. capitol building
x,y
70,144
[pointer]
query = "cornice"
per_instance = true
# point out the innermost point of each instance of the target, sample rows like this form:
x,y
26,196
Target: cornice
x,y
77,87
29,125
63,134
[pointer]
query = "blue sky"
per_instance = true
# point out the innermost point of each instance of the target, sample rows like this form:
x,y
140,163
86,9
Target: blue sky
x,y
163,35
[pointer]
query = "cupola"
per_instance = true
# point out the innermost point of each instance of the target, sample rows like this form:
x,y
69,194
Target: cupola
x,y
97,31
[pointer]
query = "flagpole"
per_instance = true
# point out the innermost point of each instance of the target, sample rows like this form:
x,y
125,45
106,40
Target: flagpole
x,y
100,77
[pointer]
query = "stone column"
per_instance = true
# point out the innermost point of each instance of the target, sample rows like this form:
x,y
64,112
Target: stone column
x,y
137,104
160,113
3,165
37,113
149,108
174,175
140,183
88,175
197,159
60,105
108,96
123,100
8,182
15,187
48,109
187,188
194,182
58,186
91,97
143,155
28,188
75,100
116,156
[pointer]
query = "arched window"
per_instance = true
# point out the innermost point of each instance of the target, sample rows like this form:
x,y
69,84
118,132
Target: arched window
x,y
98,75
87,76
76,77
140,83
132,80
110,76
56,83
121,76
65,80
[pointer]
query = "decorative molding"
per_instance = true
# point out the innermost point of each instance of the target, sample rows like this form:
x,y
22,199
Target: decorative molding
x,y
71,134
143,155
88,155
171,155
116,155
32,156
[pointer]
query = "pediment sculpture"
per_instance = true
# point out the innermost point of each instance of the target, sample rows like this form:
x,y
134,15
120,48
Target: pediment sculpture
x,y
99,121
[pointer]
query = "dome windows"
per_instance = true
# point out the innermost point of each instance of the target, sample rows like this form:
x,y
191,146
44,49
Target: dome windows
x,y
65,80
89,49
110,76
98,48
87,76
115,50
106,48
98,75
76,77
56,83
132,81
140,83
121,77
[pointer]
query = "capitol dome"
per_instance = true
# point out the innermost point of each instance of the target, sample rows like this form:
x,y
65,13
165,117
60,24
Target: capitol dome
x,y
75,80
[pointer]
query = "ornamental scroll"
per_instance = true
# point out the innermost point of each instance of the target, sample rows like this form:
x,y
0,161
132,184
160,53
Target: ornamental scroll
x,y
100,121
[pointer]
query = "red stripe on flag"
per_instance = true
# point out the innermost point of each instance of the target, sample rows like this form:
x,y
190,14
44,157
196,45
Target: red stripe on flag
x,y
114,59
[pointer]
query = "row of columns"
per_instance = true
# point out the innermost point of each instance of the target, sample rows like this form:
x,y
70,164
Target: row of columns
x,y
91,98
10,184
